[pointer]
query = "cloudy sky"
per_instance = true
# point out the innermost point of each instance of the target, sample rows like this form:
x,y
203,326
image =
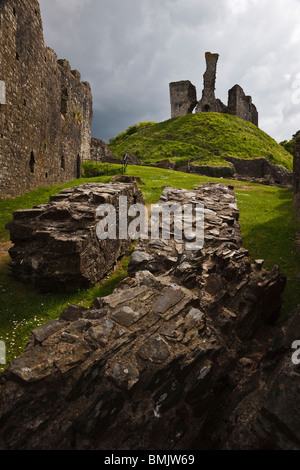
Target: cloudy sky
x,y
130,50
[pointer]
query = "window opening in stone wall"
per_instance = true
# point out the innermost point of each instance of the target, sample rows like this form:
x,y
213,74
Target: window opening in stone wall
x,y
46,175
78,169
63,163
25,103
32,162
17,56
14,11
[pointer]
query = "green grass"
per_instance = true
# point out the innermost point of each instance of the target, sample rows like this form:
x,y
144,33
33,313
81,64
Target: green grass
x,y
205,137
268,227
92,169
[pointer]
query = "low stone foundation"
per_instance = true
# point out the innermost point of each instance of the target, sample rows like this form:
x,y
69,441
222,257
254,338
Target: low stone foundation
x,y
55,245
262,171
169,360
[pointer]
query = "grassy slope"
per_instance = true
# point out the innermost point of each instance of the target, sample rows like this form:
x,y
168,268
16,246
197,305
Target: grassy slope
x,y
268,228
205,137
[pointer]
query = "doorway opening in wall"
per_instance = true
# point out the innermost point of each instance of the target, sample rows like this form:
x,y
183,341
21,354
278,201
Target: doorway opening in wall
x,y
78,167
32,162
206,108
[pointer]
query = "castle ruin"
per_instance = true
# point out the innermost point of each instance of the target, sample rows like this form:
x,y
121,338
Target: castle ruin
x,y
45,108
184,96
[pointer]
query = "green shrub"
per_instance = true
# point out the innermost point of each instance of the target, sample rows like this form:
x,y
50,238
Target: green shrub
x,y
92,169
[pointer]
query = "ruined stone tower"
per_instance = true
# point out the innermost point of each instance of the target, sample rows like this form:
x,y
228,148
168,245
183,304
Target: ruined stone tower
x,y
209,103
241,105
183,96
45,109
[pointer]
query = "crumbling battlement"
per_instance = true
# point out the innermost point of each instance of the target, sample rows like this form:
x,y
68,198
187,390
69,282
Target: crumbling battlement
x,y
183,96
45,109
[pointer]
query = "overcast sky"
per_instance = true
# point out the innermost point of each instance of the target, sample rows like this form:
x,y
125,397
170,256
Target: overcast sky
x,y
130,50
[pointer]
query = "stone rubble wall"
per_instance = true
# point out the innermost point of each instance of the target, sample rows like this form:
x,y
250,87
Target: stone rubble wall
x,y
45,118
167,361
56,247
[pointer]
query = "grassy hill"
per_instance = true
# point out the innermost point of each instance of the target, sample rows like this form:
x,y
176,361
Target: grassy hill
x,y
204,137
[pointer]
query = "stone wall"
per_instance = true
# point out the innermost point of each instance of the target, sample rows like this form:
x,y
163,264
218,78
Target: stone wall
x,y
56,247
181,356
100,152
46,115
241,105
183,98
209,103
261,170
183,95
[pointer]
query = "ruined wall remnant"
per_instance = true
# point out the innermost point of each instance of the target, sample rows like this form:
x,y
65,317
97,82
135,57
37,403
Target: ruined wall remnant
x,y
296,174
100,152
261,170
183,98
209,103
241,105
56,246
160,363
183,93
45,122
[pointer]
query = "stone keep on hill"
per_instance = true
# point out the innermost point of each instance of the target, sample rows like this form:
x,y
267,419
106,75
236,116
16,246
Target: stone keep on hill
x,y
184,96
181,356
45,108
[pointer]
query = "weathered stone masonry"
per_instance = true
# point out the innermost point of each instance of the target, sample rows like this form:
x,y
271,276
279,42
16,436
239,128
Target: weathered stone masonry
x,y
45,110
164,361
56,247
184,97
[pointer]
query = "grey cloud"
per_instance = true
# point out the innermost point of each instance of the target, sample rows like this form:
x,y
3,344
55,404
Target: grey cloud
x,y
130,50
